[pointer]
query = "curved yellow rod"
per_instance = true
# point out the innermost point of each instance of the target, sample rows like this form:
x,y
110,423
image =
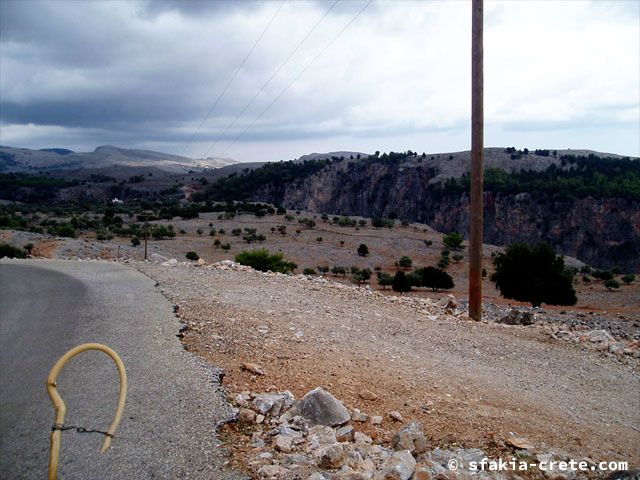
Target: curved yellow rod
x,y
61,408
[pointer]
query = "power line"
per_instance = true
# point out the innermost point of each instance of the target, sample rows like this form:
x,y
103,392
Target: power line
x,y
244,109
297,76
233,77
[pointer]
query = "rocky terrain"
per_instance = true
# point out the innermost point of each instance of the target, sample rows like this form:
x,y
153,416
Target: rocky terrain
x,y
603,232
398,359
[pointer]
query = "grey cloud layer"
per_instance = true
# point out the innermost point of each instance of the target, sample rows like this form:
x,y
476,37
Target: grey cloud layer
x,y
147,72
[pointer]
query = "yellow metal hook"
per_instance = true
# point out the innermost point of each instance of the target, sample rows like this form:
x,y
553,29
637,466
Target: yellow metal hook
x,y
61,408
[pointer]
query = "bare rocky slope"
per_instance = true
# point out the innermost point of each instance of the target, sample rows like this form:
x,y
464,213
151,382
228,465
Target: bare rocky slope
x,y
602,231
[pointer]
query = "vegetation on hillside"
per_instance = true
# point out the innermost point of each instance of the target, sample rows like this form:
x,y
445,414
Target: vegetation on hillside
x,y
581,176
533,274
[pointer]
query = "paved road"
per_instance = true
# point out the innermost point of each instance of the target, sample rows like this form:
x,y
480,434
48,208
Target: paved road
x,y
174,401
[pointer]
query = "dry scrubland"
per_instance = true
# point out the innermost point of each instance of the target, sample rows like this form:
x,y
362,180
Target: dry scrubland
x,y
471,385
386,246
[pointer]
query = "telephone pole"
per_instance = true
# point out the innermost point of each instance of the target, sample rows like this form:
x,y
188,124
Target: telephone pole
x,y
477,143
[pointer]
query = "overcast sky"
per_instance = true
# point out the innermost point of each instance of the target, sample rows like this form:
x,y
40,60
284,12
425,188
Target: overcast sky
x,y
137,74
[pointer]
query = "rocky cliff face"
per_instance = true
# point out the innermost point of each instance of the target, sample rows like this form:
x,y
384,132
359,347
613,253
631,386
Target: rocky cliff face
x,y
603,232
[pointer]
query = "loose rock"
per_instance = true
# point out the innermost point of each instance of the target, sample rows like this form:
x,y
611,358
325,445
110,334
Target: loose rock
x,y
410,437
319,407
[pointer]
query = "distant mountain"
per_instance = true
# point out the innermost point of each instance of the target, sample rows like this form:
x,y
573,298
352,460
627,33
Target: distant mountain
x,y
106,156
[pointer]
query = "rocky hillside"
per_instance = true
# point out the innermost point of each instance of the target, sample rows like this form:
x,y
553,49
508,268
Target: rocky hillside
x,y
585,204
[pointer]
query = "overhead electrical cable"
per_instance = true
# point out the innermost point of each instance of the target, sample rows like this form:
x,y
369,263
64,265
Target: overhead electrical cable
x,y
297,76
233,77
273,75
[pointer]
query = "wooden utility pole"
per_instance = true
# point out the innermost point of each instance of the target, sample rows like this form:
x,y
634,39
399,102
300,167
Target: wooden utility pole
x,y
477,144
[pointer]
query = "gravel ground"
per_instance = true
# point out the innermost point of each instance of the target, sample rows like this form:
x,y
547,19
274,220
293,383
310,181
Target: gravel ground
x,y
174,401
468,383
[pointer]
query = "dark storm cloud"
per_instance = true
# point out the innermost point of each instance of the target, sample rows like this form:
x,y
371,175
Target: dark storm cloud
x,y
198,7
147,72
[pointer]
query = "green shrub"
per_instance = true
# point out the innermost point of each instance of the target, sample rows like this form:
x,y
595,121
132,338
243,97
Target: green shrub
x,y
192,256
363,250
309,271
261,259
627,279
612,284
10,251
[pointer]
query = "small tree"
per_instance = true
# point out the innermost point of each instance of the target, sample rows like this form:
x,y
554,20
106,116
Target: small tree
x,y
627,279
135,241
338,270
435,278
28,248
401,282
323,269
363,250
443,262
612,284
193,256
199,232
405,262
457,257
385,280
533,275
453,241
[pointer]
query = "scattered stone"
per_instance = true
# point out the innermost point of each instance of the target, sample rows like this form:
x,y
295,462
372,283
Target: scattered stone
x,y
344,434
519,443
253,368
273,403
283,443
400,466
157,258
272,471
319,407
359,437
376,420
448,303
599,336
368,395
332,457
320,436
410,437
246,415
201,262
519,317
395,415
358,416
170,263
260,418
422,474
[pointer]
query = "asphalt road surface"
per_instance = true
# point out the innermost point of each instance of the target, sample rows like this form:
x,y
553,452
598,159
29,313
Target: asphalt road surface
x,y
174,400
